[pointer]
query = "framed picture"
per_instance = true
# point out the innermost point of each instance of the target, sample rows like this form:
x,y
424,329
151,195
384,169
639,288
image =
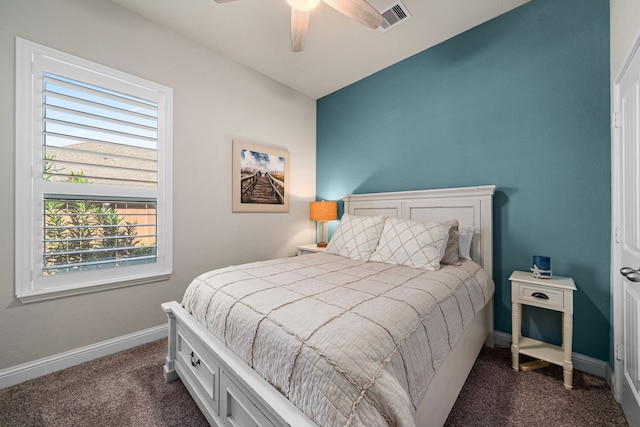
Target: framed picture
x,y
260,178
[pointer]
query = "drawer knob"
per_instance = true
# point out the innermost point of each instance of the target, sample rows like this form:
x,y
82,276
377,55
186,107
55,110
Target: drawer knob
x,y
197,362
539,295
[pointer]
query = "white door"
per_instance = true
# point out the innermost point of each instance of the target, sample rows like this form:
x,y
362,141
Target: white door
x,y
626,246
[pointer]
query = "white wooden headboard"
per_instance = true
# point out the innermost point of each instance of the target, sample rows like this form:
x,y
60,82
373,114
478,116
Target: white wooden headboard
x,y
471,206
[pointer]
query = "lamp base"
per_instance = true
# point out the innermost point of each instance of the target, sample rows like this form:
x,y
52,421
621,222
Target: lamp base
x,y
322,244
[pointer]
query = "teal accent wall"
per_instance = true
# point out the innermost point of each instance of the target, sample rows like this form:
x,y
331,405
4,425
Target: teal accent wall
x,y
522,102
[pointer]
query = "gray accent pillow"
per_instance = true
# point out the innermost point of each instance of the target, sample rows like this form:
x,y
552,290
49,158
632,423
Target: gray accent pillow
x,y
452,250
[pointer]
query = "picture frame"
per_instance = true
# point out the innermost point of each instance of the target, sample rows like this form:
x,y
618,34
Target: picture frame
x,y
261,178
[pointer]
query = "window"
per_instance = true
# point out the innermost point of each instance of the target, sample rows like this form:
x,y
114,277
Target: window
x,y
93,176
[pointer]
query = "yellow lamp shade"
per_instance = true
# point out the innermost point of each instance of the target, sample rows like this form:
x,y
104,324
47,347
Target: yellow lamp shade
x,y
323,211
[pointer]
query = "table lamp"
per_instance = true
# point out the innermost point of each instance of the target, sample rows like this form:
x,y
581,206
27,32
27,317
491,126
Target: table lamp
x,y
321,212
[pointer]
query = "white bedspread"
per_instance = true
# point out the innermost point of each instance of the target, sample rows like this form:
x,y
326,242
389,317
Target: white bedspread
x,y
347,342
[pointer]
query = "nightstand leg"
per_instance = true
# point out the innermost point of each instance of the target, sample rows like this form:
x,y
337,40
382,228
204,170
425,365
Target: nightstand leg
x,y
567,335
515,335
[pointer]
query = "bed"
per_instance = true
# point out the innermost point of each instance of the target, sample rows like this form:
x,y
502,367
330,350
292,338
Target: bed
x,y
381,347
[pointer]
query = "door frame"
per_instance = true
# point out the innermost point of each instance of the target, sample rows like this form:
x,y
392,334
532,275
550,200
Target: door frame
x,y
616,221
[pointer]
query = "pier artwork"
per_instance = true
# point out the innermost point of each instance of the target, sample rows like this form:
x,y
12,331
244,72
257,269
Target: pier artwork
x,y
261,177
262,188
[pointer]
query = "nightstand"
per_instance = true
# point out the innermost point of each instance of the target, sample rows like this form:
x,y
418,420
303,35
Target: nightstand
x,y
556,294
309,249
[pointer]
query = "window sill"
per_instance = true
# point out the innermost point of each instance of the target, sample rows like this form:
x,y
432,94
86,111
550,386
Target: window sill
x,y
36,296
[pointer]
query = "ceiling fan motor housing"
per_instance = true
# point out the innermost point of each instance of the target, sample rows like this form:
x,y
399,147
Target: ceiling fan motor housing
x,y
303,4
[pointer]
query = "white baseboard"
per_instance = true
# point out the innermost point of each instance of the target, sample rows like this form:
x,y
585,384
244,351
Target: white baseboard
x,y
583,363
47,365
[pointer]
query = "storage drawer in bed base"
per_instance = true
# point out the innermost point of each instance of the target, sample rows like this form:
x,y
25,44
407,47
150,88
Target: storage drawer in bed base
x,y
203,371
237,409
217,386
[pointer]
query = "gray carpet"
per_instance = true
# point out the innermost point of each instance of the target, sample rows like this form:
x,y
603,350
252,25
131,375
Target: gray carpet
x,y
127,389
496,395
124,389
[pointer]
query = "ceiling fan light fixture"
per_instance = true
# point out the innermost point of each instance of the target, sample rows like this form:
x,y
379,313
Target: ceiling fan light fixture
x,y
303,4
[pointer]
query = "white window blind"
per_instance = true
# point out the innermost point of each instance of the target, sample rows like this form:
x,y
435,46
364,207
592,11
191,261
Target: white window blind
x,y
98,135
95,198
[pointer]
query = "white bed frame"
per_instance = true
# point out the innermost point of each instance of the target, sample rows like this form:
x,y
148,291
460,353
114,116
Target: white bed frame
x,y
230,393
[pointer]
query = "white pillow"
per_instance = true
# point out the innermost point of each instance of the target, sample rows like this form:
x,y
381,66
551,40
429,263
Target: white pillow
x,y
465,236
356,236
411,243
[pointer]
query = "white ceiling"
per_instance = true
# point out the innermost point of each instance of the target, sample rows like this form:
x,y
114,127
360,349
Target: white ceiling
x,y
338,52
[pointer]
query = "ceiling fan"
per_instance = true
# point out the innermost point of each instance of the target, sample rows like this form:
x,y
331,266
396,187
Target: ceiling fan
x,y
359,10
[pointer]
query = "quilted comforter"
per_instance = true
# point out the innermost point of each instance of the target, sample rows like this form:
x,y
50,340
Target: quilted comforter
x,y
347,342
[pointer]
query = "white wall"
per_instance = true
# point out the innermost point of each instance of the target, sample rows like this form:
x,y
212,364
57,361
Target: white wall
x,y
625,25
215,100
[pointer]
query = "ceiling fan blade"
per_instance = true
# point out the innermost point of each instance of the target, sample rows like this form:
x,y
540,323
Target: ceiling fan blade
x,y
299,27
359,10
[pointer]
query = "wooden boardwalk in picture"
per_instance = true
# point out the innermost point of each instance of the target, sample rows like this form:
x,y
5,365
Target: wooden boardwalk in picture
x,y
262,192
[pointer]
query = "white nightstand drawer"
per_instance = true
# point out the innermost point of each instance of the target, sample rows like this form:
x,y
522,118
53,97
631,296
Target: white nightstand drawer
x,y
541,296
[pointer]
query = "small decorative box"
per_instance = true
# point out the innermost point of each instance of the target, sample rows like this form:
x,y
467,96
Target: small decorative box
x,y
541,267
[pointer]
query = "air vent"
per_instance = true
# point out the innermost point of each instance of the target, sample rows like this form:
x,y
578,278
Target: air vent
x,y
393,15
